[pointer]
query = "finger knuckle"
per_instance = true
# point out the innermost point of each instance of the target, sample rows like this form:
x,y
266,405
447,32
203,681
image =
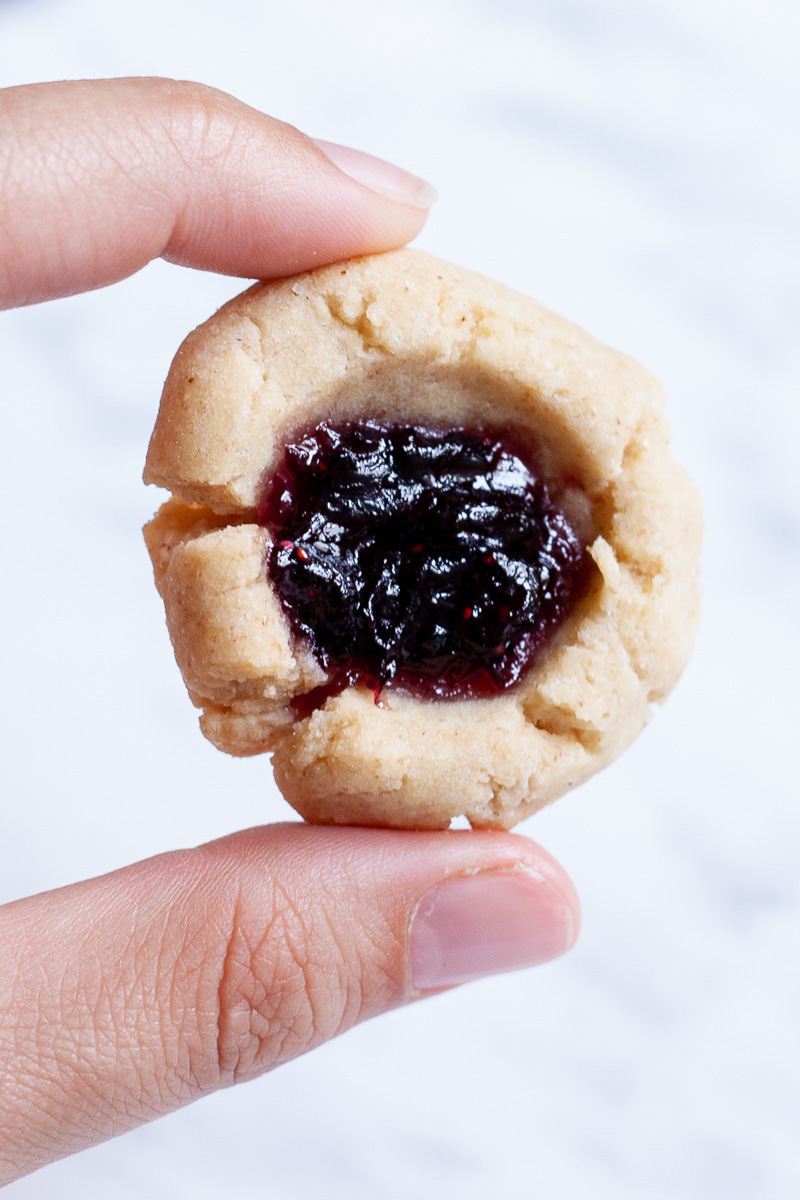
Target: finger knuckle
x,y
203,124
285,986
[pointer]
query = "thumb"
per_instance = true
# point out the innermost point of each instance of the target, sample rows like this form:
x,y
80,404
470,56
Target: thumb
x,y
100,176
125,997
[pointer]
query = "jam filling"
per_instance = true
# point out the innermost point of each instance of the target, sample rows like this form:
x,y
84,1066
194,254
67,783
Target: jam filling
x,y
432,560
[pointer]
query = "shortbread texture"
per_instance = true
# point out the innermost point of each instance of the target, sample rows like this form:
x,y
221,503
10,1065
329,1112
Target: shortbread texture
x,y
406,338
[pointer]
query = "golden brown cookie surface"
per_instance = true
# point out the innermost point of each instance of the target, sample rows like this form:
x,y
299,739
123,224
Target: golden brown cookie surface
x,y
405,338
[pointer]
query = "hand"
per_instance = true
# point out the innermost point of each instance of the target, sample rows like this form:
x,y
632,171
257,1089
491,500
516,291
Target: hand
x,y
127,996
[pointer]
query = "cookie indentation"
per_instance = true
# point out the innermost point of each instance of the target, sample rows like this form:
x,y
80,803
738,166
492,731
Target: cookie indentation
x,y
434,560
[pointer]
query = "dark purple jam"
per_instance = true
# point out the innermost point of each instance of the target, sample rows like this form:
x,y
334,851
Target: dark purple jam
x,y
431,560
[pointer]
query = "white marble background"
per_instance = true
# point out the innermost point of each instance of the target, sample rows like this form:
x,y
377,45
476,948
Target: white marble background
x,y
633,163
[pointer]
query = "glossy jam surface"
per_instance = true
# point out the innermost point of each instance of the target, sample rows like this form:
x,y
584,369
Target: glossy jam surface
x,y
431,560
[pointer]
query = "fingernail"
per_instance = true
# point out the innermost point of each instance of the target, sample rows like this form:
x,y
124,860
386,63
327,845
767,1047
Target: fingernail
x,y
476,925
382,177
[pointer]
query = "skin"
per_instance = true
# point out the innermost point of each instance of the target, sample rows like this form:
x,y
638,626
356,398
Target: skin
x,y
125,997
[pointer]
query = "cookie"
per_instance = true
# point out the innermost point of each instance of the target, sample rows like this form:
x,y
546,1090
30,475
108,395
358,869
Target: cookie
x,y
388,359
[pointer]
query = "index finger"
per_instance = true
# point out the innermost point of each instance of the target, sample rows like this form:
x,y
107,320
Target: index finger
x,y
101,176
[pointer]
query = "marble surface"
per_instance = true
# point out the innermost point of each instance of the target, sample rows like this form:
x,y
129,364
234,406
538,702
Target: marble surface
x,y
635,167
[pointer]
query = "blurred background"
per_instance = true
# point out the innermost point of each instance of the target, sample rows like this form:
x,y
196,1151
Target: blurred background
x,y
634,166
